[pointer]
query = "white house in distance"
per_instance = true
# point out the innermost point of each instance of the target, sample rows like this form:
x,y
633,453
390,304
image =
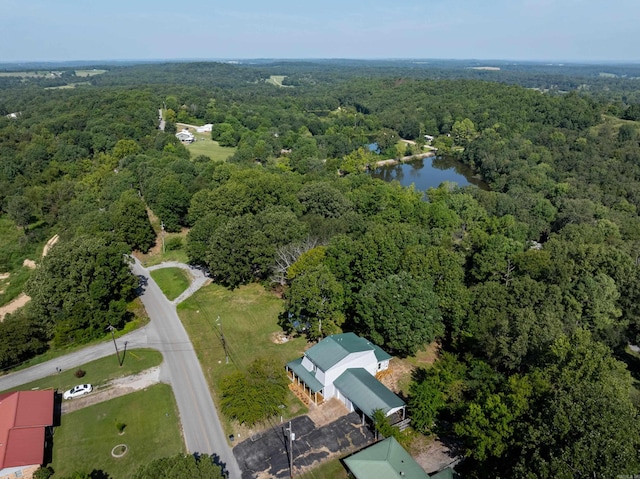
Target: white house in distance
x,y
185,136
205,128
345,366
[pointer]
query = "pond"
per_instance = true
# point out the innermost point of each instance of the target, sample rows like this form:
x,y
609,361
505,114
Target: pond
x,y
429,172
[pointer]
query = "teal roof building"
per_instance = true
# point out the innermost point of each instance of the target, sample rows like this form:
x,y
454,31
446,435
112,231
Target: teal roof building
x,y
345,366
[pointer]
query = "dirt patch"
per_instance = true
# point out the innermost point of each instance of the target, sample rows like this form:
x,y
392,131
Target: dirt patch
x,y
398,376
279,337
432,454
14,305
29,263
50,245
327,412
4,276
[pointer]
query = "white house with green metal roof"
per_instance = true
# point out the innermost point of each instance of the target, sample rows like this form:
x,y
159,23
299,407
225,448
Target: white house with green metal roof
x,y
345,366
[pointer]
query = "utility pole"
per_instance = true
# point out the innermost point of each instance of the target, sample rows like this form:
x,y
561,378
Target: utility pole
x,y
112,329
292,437
224,342
162,228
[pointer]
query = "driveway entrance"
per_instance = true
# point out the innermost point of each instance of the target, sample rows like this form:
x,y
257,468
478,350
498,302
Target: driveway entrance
x,y
265,455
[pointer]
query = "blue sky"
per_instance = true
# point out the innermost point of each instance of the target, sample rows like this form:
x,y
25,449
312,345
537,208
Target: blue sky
x,y
548,30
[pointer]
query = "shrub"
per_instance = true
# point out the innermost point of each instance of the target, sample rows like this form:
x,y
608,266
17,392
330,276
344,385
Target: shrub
x,y
43,473
173,243
80,373
120,426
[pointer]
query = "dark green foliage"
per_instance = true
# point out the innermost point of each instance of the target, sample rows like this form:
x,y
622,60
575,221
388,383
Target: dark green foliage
x,y
244,247
182,466
324,200
22,336
169,200
382,426
81,287
399,313
43,473
131,223
173,243
315,302
255,395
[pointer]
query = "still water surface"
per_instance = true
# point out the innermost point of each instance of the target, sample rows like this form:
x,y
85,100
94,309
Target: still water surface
x,y
429,172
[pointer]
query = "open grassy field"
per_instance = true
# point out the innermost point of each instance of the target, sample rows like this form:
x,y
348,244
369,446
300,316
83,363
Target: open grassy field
x,y
99,371
248,318
172,281
89,73
85,438
204,145
276,80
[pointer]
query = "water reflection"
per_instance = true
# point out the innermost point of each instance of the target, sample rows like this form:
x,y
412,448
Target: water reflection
x,y
430,172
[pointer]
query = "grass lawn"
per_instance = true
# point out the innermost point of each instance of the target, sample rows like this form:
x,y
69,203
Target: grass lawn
x,y
333,469
172,281
277,80
85,438
204,145
99,371
249,317
89,73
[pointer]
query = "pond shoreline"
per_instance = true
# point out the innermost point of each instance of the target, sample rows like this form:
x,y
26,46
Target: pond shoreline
x,y
404,159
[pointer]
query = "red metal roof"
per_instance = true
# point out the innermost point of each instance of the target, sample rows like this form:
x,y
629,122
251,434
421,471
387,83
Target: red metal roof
x,y
23,418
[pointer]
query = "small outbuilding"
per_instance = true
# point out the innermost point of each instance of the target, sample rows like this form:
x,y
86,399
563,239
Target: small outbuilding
x,y
386,459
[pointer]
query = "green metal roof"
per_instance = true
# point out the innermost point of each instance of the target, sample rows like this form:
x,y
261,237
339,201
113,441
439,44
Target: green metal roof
x,y
333,349
366,392
307,376
385,460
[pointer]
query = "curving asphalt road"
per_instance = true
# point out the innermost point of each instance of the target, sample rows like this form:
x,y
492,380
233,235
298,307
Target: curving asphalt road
x,y
180,368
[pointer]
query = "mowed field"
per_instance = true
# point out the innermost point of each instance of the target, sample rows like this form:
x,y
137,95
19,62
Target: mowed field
x,y
249,322
204,145
85,439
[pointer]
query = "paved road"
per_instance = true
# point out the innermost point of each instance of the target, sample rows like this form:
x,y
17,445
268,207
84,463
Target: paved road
x,y
162,122
180,368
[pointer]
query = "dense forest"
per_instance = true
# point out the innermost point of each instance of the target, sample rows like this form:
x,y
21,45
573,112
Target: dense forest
x,y
531,289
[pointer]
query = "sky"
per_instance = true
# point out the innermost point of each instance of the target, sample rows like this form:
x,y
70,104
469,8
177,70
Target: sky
x,y
539,30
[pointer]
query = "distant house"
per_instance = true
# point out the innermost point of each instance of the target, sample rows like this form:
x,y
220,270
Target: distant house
x,y
345,366
185,136
26,418
205,128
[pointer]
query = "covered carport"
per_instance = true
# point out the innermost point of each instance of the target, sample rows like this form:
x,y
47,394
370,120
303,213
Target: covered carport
x,y
361,391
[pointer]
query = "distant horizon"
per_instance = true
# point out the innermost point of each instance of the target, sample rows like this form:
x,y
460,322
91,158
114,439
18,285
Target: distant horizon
x,y
554,31
232,60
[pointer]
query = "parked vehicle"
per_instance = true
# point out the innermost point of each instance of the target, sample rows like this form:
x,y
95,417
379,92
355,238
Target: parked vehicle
x,y
77,391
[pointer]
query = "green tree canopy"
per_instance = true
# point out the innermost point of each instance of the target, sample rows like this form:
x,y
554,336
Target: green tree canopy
x,y
181,466
81,287
399,312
